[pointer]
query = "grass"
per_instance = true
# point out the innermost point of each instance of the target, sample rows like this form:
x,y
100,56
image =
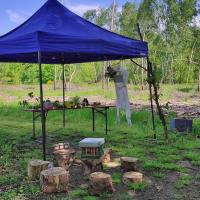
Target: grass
x,y
116,178
17,146
183,181
137,186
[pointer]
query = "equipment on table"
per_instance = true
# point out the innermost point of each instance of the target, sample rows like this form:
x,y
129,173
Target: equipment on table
x,y
92,147
69,104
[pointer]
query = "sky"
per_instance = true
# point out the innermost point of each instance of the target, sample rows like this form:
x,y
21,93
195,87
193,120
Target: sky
x,y
14,12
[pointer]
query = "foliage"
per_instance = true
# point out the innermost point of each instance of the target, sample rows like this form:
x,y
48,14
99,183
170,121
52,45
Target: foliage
x,y
137,186
170,28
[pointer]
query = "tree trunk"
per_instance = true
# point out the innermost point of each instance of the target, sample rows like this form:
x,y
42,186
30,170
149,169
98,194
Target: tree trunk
x,y
55,77
199,80
142,74
103,75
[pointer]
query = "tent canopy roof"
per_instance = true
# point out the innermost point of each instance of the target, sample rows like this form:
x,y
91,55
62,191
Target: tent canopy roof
x,y
64,37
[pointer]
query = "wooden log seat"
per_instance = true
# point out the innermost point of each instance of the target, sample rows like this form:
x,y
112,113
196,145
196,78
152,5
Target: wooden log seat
x,y
129,163
35,167
99,183
63,158
55,179
132,177
106,158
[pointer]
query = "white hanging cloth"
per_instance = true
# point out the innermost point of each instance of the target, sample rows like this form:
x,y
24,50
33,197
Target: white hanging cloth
x,y
122,101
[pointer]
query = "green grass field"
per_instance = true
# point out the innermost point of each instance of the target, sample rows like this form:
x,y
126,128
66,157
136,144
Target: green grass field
x,y
158,161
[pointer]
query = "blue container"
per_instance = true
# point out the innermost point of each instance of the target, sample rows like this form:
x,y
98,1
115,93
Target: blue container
x,y
181,125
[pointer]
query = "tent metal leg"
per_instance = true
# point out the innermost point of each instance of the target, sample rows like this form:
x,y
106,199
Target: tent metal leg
x,y
63,84
42,108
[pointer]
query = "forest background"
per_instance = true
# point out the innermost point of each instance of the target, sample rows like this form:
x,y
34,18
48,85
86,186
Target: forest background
x,y
171,28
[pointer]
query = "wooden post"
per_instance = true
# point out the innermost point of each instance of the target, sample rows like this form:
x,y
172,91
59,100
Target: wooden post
x,y
149,74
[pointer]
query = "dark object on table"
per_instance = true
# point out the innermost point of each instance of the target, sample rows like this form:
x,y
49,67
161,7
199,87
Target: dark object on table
x,y
181,125
85,102
48,105
96,104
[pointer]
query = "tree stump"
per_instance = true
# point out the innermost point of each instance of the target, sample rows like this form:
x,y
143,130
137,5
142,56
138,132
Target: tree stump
x,y
106,156
55,179
35,167
92,165
129,163
63,158
132,177
100,183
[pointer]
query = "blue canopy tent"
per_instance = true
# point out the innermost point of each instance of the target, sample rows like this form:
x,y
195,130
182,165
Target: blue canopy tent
x,y
55,35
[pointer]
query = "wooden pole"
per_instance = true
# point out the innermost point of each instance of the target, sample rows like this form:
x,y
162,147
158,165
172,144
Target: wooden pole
x,y
149,73
63,81
42,108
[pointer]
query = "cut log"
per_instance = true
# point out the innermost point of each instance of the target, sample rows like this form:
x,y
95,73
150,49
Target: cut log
x,y
132,177
100,183
106,156
92,165
63,158
35,167
129,163
55,179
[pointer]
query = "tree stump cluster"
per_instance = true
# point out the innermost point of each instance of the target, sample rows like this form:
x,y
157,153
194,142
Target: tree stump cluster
x,y
63,158
106,157
55,179
35,167
92,165
129,163
100,183
61,146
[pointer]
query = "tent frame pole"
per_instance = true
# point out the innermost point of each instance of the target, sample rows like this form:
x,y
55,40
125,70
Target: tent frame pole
x,y
43,120
63,88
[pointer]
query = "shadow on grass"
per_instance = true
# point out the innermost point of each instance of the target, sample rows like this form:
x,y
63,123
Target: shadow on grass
x,y
186,89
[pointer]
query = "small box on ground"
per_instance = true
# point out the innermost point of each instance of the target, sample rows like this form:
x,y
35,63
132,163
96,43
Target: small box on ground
x,y
181,125
92,147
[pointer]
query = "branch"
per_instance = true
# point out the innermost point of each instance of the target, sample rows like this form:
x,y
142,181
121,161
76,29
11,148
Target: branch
x,y
138,65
